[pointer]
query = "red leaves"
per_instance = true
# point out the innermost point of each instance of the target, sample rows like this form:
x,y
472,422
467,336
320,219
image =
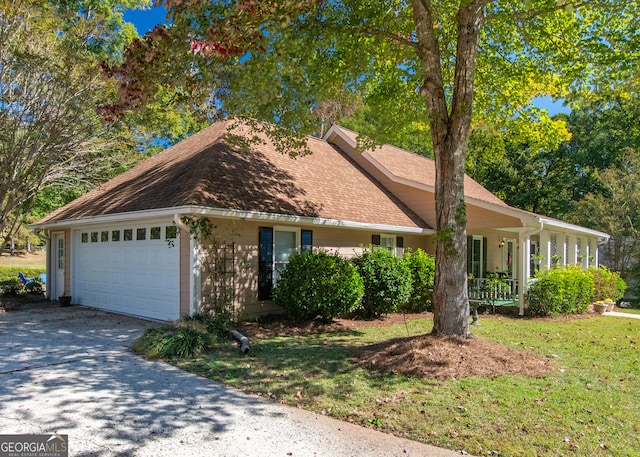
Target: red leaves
x,y
209,49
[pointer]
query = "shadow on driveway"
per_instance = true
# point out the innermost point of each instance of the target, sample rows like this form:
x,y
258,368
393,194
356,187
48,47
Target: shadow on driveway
x,y
70,371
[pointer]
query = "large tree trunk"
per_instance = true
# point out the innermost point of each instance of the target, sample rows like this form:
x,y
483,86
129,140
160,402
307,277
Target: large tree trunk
x,y
450,136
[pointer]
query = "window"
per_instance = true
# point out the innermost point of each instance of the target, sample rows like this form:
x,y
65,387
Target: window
x,y
285,244
128,235
94,237
141,234
275,247
154,233
171,232
60,249
84,238
476,256
104,236
115,235
393,243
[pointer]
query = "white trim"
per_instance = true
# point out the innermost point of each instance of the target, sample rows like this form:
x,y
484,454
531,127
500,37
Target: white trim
x,y
573,228
235,214
195,285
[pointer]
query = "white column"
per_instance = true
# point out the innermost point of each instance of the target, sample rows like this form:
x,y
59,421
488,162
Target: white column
x,y
572,251
545,250
524,254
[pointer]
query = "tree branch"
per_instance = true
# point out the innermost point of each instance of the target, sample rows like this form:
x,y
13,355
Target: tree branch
x,y
539,12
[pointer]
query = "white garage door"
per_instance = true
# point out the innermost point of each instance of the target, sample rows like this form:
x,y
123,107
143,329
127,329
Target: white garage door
x,y
128,269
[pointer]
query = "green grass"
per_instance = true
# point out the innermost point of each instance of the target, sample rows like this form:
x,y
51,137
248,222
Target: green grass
x,y
589,407
12,272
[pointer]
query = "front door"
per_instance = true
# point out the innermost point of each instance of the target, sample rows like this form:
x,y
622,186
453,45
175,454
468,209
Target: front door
x,y
57,286
509,264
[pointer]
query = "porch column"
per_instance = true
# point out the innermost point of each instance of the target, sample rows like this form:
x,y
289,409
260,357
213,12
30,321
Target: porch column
x,y
524,268
572,250
563,249
545,250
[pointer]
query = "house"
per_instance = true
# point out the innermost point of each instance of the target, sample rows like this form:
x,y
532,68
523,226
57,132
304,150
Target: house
x,y
124,246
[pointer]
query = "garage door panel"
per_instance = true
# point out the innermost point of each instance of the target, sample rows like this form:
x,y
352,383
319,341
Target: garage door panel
x,y
139,277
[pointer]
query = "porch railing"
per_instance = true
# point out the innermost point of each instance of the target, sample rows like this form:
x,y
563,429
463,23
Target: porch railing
x,y
493,291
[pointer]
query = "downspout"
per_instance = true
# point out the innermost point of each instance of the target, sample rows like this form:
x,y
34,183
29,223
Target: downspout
x,y
524,261
195,269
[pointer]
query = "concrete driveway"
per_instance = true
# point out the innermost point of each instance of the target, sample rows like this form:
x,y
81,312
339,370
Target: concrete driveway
x,y
70,371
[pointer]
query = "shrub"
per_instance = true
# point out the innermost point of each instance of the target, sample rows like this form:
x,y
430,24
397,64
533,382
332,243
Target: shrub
x,y
172,342
318,284
12,287
387,281
12,272
213,320
422,268
607,284
560,291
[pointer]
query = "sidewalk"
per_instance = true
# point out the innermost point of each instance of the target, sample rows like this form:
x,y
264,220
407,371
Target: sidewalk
x,y
618,314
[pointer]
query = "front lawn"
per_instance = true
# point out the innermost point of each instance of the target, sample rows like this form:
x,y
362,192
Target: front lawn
x,y
588,405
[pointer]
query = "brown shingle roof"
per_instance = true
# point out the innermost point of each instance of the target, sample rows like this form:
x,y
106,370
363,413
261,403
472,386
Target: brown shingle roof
x,y
422,170
205,170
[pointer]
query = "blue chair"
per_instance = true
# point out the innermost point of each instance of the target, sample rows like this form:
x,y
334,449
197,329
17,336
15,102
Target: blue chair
x,y
26,281
43,278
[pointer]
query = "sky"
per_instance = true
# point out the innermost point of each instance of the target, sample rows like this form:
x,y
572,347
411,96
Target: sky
x,y
145,20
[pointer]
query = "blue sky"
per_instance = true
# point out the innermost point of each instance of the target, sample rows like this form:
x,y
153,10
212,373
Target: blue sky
x,y
145,20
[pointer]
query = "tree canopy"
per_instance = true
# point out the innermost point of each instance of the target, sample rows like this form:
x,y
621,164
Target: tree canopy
x,y
52,133
424,65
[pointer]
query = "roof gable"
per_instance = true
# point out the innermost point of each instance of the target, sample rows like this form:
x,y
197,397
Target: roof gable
x,y
408,166
208,170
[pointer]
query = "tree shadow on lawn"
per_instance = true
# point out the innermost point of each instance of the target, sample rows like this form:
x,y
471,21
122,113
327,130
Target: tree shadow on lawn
x,y
423,356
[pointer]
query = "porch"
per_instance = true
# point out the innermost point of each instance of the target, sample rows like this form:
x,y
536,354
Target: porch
x,y
492,291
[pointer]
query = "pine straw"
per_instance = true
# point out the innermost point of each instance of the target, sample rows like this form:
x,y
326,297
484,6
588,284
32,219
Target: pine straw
x,y
431,357
423,356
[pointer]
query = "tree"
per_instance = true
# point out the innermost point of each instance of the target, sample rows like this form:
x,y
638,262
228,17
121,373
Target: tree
x,y
616,211
523,163
50,129
422,60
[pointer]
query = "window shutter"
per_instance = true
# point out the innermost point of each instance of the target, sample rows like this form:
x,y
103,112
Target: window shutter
x,y
484,257
469,254
265,263
399,241
306,240
375,240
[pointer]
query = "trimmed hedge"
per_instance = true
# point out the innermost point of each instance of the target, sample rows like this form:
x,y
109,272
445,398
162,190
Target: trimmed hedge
x,y
608,285
563,290
318,284
423,269
387,281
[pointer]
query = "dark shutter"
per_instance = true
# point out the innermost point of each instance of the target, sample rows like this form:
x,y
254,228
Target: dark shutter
x,y
469,254
399,241
375,240
306,240
265,263
484,257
